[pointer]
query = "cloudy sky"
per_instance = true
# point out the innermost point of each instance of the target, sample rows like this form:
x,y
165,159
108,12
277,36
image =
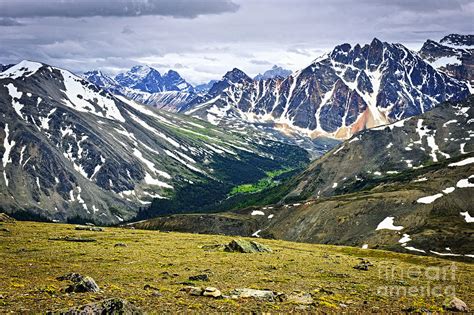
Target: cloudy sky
x,y
202,39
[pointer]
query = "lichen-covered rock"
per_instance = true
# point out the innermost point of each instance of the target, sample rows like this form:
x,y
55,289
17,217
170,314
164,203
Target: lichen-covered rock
x,y
109,307
456,305
80,283
212,292
265,295
243,246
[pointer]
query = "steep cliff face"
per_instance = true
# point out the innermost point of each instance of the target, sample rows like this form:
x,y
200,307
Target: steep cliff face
x,y
348,90
454,55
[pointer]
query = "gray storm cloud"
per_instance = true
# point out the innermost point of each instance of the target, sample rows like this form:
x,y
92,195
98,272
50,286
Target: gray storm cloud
x,y
206,38
89,8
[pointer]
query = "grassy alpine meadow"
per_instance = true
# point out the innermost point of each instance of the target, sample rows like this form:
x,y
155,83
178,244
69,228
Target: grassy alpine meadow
x,y
151,268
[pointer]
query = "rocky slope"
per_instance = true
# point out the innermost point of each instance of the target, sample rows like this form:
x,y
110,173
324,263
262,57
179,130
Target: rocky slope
x,y
453,54
345,91
72,151
404,187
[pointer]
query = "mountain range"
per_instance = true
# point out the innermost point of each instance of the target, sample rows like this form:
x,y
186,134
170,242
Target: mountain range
x,y
389,132
339,94
403,187
74,152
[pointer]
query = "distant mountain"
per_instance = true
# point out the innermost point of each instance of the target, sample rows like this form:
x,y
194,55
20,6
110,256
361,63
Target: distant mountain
x,y
339,94
205,87
405,187
149,80
147,86
453,54
274,72
71,151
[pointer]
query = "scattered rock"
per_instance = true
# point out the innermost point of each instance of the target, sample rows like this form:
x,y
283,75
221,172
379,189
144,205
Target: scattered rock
x,y
72,239
90,224
89,228
150,287
80,283
4,229
363,265
265,295
212,292
456,305
203,277
243,246
197,291
120,245
6,218
109,306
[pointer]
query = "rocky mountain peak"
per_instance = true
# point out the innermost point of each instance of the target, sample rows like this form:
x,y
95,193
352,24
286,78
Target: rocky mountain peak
x,y
274,72
236,75
459,40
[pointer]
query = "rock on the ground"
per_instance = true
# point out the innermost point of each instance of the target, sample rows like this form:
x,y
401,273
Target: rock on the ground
x,y
120,245
202,277
456,305
89,228
208,291
243,246
109,306
73,239
363,265
212,292
80,283
265,295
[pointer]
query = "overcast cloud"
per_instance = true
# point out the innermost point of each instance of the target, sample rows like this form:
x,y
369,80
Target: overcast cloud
x,y
203,39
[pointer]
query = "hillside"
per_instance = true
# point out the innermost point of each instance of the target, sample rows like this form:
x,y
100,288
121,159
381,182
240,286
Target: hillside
x,y
151,268
404,187
74,152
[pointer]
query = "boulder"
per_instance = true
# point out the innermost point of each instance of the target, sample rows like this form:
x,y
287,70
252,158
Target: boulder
x,y
244,293
80,283
120,245
197,291
89,228
203,277
73,239
456,305
243,246
212,292
109,306
363,265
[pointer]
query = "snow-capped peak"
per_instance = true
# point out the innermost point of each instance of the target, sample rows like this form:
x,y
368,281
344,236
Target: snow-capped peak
x,y
24,68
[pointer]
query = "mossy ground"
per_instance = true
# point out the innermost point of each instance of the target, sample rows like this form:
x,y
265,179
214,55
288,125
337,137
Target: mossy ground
x,y
30,264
